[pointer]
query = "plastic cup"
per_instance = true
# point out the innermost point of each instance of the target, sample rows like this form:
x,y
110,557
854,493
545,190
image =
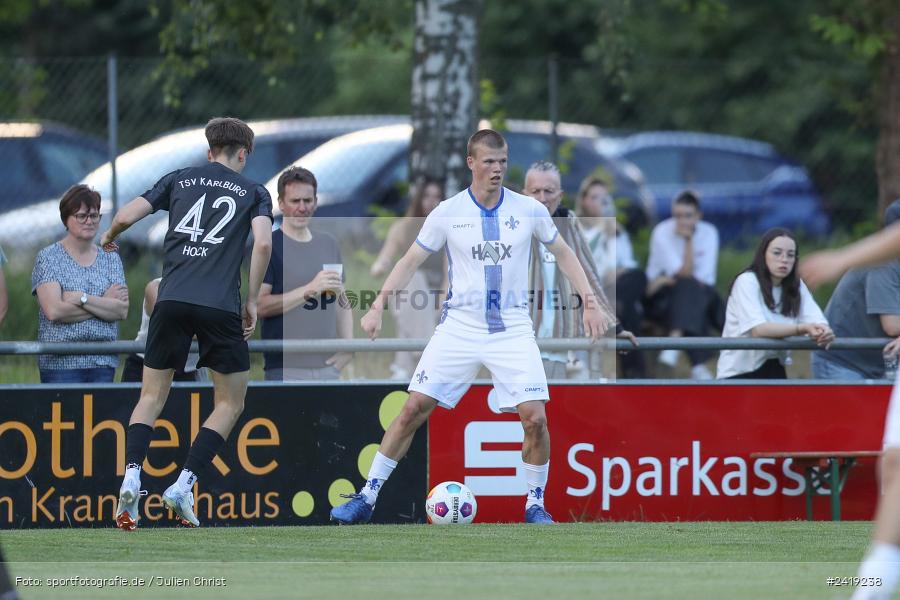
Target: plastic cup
x,y
890,366
337,267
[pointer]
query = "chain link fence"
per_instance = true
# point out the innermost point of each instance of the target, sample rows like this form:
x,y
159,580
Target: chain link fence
x,y
816,128
56,129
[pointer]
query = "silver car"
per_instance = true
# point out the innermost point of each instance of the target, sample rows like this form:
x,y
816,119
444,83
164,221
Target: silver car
x,y
277,143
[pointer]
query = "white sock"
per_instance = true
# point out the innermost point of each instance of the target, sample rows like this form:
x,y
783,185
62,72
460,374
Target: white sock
x,y
186,480
381,469
133,471
883,562
536,476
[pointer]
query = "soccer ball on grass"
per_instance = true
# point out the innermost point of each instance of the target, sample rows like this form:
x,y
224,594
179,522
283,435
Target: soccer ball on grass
x,y
450,503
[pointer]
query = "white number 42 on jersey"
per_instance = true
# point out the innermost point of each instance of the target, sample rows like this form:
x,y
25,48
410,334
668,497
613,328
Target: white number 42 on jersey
x,y
190,224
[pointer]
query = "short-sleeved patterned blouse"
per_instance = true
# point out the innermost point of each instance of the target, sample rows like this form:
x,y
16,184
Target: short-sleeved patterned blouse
x,y
53,263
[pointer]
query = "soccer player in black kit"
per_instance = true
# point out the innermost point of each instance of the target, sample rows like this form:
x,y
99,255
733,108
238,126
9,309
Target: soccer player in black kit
x,y
211,209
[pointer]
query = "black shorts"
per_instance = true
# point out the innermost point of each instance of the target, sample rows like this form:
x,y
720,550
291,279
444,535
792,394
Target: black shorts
x,y
133,371
219,333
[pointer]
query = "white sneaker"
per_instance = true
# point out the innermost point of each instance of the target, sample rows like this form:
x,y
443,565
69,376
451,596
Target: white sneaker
x,y
182,503
700,372
127,512
669,357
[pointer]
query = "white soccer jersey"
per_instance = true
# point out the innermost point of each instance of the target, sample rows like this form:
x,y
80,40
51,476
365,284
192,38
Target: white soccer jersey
x,y
489,252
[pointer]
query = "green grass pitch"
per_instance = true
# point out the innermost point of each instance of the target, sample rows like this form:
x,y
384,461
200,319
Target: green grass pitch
x,y
393,562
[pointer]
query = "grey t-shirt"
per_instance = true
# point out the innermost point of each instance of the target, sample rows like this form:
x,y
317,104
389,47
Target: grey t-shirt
x,y
210,210
294,264
853,311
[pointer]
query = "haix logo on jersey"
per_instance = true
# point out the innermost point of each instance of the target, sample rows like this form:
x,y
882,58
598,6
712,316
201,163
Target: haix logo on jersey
x,y
494,251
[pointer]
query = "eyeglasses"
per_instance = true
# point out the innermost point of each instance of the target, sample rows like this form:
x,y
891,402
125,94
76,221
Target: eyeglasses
x,y
84,217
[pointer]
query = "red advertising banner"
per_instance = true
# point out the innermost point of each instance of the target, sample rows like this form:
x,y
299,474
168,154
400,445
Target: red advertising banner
x,y
665,453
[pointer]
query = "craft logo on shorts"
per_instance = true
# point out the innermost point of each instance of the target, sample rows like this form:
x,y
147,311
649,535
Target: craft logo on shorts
x,y
493,251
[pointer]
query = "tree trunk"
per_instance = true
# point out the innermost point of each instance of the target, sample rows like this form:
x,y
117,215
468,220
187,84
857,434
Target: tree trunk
x,y
444,90
887,161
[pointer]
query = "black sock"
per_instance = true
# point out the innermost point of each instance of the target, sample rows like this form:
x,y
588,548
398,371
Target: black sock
x,y
136,443
202,451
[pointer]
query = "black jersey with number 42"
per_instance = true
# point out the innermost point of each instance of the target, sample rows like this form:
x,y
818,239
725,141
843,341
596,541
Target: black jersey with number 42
x,y
210,210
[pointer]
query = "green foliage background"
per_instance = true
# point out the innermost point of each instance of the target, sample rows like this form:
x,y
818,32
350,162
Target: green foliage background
x,y
800,75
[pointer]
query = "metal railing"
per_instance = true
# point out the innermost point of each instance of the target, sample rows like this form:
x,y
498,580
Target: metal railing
x,y
396,344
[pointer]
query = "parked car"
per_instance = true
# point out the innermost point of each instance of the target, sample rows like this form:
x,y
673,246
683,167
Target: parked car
x,y
745,186
366,169
41,160
277,143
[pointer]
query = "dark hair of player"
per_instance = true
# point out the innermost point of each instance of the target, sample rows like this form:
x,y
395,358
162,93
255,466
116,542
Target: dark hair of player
x,y
485,137
228,134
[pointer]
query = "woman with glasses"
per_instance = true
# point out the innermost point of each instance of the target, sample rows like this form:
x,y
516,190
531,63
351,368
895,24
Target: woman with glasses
x,y
768,299
81,293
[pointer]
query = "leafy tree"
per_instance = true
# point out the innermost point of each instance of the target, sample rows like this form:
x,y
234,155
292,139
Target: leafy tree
x,y
45,28
816,79
444,93
735,68
872,30
444,90
278,34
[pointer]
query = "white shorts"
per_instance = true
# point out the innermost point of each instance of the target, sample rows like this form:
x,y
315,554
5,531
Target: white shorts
x,y
453,356
892,420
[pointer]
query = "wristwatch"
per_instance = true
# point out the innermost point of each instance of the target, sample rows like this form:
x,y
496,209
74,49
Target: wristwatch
x,y
84,298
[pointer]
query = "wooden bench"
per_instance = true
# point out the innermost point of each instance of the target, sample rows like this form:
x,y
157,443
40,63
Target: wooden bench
x,y
823,469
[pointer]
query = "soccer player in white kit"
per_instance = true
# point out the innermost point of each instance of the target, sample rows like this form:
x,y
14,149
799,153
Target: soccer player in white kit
x,y
881,565
486,230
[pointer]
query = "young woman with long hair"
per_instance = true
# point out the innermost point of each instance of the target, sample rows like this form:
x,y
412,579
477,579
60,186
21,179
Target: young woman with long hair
x,y
768,299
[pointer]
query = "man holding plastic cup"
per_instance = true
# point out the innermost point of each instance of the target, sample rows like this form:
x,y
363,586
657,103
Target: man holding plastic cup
x,y
301,292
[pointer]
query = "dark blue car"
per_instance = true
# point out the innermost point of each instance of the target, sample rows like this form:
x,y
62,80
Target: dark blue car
x,y
41,160
745,186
